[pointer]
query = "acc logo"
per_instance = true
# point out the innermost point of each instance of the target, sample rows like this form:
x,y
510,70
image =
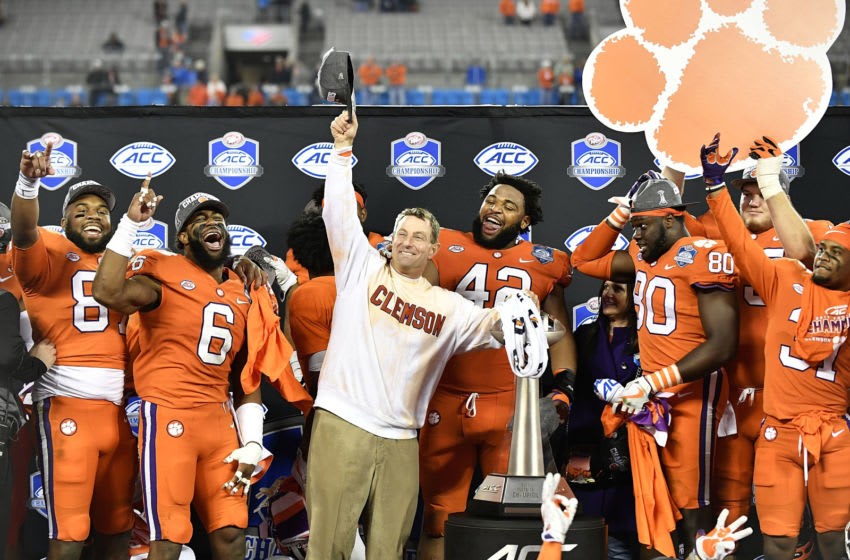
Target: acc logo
x,y
836,310
415,160
579,235
37,501
596,161
842,160
174,428
134,404
154,237
187,285
136,160
63,158
690,176
72,256
243,238
456,248
508,157
685,256
586,312
312,160
233,160
791,163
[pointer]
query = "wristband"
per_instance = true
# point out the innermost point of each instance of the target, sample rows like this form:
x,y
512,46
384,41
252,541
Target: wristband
x,y
565,380
713,189
664,378
26,187
619,217
342,155
125,234
249,420
767,175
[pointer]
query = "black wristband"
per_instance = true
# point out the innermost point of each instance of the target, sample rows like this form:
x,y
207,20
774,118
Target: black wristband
x,y
565,382
715,188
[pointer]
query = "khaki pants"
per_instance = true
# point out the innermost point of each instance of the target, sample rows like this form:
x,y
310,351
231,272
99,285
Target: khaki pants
x,y
350,469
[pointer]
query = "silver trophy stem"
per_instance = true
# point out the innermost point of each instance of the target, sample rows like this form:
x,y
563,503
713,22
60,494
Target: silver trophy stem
x,y
526,457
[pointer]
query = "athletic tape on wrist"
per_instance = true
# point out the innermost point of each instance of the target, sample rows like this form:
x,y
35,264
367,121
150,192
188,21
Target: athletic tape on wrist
x,y
27,187
249,418
619,217
664,378
125,234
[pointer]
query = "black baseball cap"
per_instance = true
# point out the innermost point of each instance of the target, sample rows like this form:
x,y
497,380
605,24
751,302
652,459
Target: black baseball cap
x,y
195,202
77,190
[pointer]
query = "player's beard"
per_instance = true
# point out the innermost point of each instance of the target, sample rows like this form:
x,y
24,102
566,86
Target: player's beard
x,y
503,240
89,246
204,259
658,248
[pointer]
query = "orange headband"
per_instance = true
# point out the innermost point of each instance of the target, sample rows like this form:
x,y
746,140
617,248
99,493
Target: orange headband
x,y
660,212
839,234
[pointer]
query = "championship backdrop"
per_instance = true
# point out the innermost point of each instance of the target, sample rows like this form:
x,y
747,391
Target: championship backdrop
x,y
265,162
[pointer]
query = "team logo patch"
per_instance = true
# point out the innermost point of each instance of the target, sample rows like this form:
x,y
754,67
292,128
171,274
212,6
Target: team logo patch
x,y
433,418
154,237
68,427
705,243
543,254
595,161
72,256
688,176
842,160
415,160
770,433
497,255
798,288
685,256
63,159
138,159
243,238
233,160
131,409
456,248
792,163
187,285
175,428
37,501
312,160
508,157
585,313
219,292
577,237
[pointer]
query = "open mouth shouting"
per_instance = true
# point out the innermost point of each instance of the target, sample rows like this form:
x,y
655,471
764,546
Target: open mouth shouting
x,y
92,230
491,225
213,239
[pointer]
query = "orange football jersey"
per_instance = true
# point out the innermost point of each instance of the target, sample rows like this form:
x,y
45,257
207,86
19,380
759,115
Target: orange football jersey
x,y
188,343
56,279
486,277
8,280
791,385
669,325
311,308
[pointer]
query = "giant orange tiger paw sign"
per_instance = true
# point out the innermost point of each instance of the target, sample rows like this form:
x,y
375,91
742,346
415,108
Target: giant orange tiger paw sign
x,y
685,69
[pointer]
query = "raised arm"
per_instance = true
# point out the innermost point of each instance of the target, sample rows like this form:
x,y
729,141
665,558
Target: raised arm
x,y
25,209
111,286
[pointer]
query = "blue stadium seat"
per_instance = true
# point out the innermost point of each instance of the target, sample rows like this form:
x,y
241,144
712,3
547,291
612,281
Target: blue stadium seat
x,y
295,97
43,98
415,97
834,99
15,97
144,96
530,97
125,98
495,96
845,97
63,96
452,97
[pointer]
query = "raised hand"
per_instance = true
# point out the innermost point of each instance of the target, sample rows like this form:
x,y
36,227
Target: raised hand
x,y
343,131
714,165
721,541
143,205
37,164
765,148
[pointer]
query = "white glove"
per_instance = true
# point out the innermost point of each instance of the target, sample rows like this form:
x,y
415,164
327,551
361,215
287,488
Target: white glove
x,y
248,454
608,390
557,511
721,541
634,396
283,276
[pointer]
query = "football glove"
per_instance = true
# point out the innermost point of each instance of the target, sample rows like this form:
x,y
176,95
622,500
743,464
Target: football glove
x,y
721,541
714,165
557,511
634,396
768,158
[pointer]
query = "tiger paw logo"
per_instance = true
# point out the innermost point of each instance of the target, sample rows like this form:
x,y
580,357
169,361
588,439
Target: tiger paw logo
x,y
685,69
175,428
68,427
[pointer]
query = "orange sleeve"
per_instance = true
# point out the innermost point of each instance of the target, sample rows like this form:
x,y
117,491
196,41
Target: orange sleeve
x,y
594,256
693,225
32,265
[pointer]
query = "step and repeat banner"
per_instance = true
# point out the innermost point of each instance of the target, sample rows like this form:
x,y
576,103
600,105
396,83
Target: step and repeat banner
x,y
265,163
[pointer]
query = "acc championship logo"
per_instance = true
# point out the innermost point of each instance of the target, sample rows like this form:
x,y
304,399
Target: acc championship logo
x,y
37,494
132,409
312,160
234,160
596,161
586,312
415,160
842,160
579,235
138,159
243,238
508,157
792,164
154,237
688,177
63,158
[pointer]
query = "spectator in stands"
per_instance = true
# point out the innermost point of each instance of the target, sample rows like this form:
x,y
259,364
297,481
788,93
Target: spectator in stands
x,y
578,27
100,84
162,41
160,10
201,70
278,98
526,12
578,76
388,5
508,10
397,79
113,44
256,97
370,73
476,74
281,72
564,71
182,74
181,20
169,88
235,98
546,81
197,95
305,15
549,10
216,90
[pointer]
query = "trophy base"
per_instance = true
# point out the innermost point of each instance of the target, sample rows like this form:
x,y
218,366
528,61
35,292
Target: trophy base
x,y
504,495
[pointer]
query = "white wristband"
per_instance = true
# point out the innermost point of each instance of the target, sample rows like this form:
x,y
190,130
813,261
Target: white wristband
x,y
767,175
125,234
249,420
26,187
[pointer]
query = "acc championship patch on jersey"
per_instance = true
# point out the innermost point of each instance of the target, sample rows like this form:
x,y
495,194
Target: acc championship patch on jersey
x,y
63,158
